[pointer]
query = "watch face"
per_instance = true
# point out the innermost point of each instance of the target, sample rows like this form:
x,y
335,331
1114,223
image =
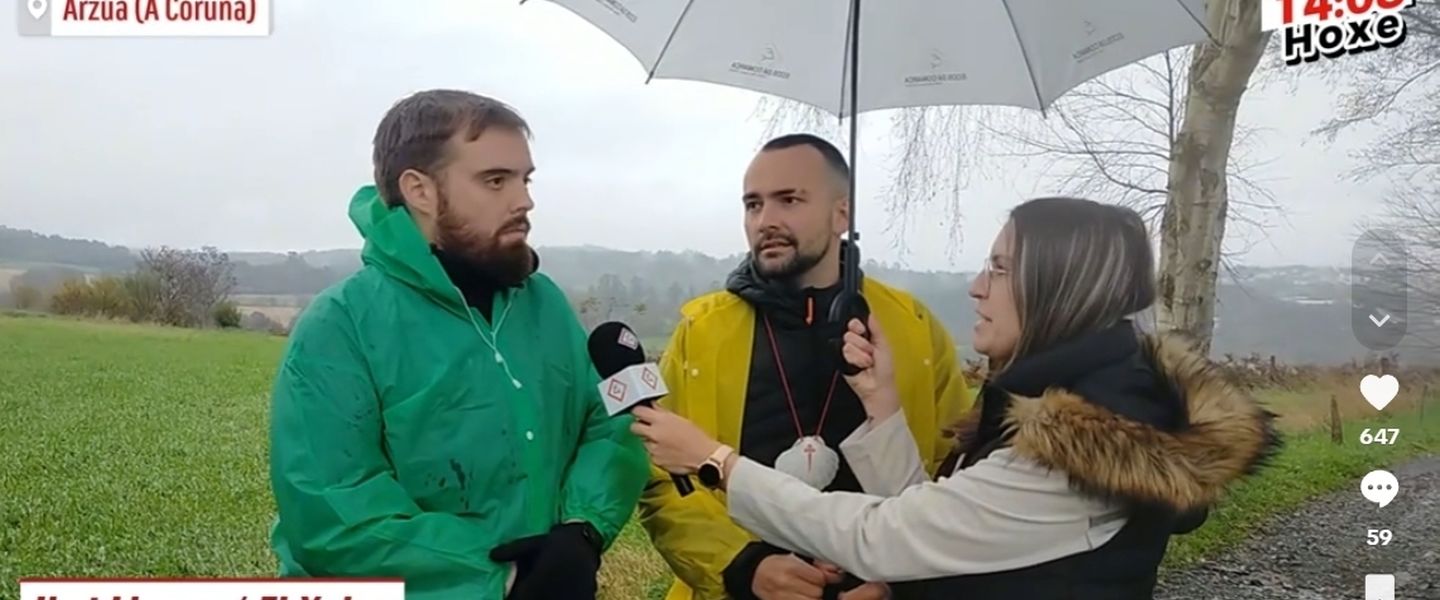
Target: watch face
x,y
709,475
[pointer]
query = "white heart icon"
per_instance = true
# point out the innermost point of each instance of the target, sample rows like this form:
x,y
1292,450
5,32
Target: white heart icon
x,y
1379,391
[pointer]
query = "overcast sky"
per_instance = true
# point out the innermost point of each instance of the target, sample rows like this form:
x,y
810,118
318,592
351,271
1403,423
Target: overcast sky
x,y
257,144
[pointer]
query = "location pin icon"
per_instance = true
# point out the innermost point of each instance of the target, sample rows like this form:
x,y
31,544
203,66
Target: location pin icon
x,y
37,7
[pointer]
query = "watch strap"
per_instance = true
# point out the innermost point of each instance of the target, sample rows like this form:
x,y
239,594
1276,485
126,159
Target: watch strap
x,y
716,461
720,455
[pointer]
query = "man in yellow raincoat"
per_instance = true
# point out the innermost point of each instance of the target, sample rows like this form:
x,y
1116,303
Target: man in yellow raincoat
x,y
751,365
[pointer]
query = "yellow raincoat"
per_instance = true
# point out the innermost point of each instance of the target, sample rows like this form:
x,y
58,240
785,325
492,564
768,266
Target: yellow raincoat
x,y
706,367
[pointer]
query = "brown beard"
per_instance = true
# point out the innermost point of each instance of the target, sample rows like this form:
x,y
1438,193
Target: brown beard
x,y
505,265
797,265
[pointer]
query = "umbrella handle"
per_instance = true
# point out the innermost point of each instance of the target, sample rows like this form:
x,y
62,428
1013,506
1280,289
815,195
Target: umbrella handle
x,y
849,303
846,306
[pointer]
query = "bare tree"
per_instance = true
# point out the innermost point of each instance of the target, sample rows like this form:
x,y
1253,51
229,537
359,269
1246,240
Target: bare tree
x,y
1114,138
594,309
1412,215
1392,93
1198,197
1159,138
187,284
1392,90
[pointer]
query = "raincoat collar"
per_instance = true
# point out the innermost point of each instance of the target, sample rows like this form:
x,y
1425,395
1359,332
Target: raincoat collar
x,y
786,304
395,246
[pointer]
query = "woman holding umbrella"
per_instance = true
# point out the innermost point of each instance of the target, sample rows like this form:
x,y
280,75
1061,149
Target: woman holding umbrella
x,y
1094,442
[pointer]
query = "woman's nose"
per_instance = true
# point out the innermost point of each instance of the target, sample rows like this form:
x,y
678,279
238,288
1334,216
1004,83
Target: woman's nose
x,y
978,287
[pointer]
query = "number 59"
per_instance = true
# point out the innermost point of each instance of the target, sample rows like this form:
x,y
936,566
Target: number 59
x,y
1379,537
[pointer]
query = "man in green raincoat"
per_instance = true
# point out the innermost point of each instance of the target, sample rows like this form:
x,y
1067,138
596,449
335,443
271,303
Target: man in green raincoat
x,y
436,416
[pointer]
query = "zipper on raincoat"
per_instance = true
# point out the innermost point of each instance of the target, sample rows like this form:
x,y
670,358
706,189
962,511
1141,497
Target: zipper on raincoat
x,y
531,458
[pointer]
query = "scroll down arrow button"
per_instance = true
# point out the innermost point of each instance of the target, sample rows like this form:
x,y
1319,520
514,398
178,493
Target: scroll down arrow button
x,y
1380,322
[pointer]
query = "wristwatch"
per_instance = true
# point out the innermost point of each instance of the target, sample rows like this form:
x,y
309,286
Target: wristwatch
x,y
712,471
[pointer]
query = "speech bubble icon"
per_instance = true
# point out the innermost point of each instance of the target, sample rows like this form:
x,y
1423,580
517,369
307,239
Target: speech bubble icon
x,y
1379,487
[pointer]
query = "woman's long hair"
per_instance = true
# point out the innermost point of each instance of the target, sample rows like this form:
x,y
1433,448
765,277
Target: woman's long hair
x,y
1079,266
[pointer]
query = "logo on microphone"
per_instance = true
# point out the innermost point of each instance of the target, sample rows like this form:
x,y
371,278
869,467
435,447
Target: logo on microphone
x,y
628,339
616,390
631,386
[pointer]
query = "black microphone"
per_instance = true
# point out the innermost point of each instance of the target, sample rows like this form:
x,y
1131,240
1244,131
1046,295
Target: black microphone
x,y
627,380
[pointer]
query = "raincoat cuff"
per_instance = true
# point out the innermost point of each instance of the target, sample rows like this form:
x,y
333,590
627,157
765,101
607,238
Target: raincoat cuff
x,y
589,533
597,532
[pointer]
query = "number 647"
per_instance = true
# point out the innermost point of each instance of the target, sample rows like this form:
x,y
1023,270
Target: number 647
x,y
1381,436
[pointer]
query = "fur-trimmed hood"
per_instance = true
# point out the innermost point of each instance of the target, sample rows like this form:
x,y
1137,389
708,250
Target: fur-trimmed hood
x,y
1227,434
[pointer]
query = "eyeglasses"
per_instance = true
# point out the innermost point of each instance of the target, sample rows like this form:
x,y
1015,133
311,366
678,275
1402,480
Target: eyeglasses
x,y
990,270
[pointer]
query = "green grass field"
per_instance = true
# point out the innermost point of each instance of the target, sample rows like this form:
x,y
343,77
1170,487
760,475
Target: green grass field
x,y
141,451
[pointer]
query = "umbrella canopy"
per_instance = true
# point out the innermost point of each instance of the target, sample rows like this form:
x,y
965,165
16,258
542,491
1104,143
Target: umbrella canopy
x,y
1023,53
903,53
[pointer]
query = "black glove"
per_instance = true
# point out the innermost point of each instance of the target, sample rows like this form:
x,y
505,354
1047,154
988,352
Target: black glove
x,y
561,564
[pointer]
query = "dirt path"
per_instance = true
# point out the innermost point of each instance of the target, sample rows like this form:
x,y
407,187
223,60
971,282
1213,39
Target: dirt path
x,y
1319,553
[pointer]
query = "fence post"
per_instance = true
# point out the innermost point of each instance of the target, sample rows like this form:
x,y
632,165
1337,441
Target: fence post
x,y
1424,396
1337,433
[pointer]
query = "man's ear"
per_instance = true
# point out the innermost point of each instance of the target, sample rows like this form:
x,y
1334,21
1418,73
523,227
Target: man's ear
x,y
421,192
840,219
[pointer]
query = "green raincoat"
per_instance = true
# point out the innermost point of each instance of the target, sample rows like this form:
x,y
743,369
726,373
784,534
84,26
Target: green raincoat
x,y
409,436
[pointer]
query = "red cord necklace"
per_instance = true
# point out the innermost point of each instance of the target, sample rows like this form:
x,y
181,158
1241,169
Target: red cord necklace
x,y
810,459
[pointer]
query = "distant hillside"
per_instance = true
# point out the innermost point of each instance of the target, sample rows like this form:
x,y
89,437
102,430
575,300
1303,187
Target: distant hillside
x,y
22,246
1298,313
345,258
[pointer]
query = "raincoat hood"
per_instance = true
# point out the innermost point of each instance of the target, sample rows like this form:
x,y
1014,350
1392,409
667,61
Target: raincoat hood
x,y
783,302
1144,418
395,246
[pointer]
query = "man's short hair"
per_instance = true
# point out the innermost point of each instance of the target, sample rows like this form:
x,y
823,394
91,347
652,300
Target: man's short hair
x,y
414,133
834,159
